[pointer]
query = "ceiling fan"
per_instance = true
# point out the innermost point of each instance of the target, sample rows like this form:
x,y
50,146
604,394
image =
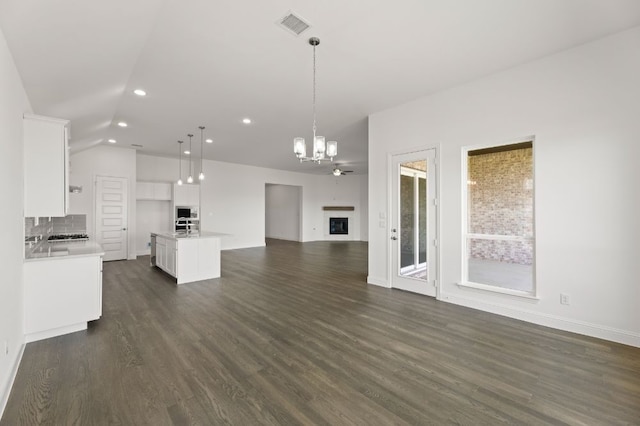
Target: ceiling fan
x,y
337,171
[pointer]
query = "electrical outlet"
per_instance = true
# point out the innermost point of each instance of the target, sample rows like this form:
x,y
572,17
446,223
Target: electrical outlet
x,y
564,299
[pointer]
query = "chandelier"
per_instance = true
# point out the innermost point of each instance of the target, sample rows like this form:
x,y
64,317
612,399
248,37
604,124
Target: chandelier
x,y
321,150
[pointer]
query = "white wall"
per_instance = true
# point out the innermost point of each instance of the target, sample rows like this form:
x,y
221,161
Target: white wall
x,y
152,216
282,212
103,161
582,105
233,197
13,103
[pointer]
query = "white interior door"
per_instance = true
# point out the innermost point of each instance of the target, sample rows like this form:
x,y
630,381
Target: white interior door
x,y
413,222
111,216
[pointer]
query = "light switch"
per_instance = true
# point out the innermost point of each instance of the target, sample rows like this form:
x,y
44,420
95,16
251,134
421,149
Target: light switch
x,y
382,224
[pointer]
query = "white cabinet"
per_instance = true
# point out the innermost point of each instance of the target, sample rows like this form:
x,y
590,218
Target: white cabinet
x,y
186,195
161,253
189,259
166,253
172,254
160,191
46,166
61,295
198,259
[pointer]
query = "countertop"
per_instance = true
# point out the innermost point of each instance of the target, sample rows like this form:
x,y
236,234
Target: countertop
x,y
46,250
181,235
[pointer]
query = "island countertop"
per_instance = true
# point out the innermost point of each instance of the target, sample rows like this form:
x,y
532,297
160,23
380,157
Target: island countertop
x,y
65,250
182,235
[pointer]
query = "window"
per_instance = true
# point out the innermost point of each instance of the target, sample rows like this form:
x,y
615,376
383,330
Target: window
x,y
413,219
498,235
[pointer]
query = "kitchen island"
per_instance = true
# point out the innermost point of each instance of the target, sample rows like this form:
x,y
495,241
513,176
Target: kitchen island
x,y
62,288
187,257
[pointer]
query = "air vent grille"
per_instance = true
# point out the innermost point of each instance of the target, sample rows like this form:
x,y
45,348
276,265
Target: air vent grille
x,y
293,23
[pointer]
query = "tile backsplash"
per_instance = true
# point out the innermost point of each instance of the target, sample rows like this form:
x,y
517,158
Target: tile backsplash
x,y
70,224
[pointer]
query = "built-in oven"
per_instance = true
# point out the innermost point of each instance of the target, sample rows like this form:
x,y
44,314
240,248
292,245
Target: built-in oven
x,y
186,217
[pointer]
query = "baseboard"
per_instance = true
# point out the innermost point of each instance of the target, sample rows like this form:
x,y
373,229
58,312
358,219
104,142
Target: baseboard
x,y
59,331
382,282
12,377
243,246
548,320
146,252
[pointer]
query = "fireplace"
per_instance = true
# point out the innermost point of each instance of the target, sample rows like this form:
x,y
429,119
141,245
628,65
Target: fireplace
x,y
339,226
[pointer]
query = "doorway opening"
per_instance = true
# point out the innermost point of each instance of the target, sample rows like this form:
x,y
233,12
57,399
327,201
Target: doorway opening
x,y
283,212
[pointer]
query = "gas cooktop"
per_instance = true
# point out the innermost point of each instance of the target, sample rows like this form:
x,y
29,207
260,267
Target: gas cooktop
x,y
60,238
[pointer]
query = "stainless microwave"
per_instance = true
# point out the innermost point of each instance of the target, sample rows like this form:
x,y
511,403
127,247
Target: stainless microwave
x,y
186,212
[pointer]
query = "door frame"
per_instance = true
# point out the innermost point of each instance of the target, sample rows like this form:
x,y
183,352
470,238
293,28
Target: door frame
x,y
438,233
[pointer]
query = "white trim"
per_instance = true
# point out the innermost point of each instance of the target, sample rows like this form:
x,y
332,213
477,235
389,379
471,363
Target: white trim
x,y
499,237
548,320
59,331
378,281
496,289
12,378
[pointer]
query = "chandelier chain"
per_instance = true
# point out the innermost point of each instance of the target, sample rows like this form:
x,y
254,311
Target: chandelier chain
x,y
314,91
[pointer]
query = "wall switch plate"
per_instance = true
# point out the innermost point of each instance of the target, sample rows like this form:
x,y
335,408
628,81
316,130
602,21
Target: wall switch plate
x,y
564,299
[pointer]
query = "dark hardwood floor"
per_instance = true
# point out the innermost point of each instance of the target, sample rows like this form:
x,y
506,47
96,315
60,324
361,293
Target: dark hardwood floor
x,y
292,334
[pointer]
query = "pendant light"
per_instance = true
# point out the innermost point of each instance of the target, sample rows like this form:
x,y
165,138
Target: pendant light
x,y
190,178
201,175
320,148
180,163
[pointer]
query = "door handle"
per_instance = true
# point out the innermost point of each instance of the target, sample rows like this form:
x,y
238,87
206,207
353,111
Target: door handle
x,y
124,229
394,238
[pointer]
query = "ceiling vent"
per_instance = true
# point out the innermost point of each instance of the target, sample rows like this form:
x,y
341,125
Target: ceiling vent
x,y
293,23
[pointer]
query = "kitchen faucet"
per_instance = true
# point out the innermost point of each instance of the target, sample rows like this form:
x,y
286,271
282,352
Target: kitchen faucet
x,y
185,221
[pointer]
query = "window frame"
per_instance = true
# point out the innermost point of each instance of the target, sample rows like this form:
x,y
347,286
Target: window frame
x,y
416,175
466,235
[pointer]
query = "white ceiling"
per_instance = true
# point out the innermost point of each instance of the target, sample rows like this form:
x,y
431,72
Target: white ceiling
x,y
213,62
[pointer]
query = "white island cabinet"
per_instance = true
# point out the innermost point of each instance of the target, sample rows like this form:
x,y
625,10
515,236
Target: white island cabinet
x,y
188,258
62,289
46,166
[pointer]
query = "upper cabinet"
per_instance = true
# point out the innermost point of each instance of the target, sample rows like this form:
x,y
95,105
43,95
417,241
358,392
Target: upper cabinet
x,y
186,195
46,166
153,191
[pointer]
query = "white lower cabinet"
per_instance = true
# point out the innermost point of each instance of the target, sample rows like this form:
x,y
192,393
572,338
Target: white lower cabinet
x,y
189,259
61,295
166,255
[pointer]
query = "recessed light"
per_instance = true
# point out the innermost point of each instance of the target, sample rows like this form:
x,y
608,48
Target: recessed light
x,y
246,120
122,124
187,152
112,141
209,140
140,92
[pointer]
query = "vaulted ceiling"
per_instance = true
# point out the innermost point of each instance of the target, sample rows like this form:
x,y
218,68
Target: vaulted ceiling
x,y
215,62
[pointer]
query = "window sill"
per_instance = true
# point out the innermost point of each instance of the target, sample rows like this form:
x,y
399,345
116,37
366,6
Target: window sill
x,y
494,289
